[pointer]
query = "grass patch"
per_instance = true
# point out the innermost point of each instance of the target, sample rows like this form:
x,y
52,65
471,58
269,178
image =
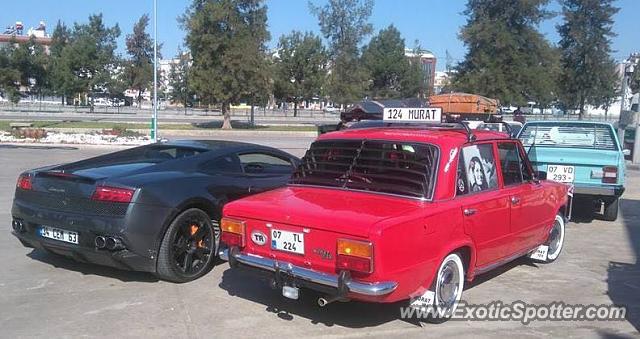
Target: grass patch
x,y
5,126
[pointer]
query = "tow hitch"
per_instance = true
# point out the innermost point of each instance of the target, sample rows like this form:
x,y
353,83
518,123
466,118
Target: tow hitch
x,y
289,288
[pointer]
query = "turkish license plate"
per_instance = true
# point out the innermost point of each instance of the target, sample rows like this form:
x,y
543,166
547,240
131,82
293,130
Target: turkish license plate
x,y
560,173
287,241
540,253
59,234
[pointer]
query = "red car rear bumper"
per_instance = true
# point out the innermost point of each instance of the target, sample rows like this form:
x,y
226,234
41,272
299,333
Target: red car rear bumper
x,y
339,284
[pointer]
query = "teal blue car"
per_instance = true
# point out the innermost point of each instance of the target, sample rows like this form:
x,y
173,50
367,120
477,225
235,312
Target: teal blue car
x,y
587,155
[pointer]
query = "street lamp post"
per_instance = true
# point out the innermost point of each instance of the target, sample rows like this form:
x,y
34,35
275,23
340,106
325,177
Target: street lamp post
x,y
154,121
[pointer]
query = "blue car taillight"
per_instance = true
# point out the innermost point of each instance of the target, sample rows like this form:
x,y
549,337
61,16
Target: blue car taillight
x,y
609,175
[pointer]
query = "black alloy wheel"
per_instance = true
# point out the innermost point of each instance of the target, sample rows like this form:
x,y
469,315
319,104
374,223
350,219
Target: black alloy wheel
x,y
188,247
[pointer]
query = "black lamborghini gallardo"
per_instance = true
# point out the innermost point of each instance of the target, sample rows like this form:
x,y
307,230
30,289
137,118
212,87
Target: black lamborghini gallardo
x,y
153,208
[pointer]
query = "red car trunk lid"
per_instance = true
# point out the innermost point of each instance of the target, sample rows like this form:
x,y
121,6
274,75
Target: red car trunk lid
x,y
340,211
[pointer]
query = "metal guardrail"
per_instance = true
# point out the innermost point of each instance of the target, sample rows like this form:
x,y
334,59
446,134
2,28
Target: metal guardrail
x,y
572,117
48,107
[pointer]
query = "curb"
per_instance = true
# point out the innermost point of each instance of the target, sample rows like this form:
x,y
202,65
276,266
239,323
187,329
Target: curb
x,y
633,167
202,133
67,146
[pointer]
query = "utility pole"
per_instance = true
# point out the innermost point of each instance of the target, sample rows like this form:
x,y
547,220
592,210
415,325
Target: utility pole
x,y
154,121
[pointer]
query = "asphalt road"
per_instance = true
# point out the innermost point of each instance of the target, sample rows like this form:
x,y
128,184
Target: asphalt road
x,y
43,295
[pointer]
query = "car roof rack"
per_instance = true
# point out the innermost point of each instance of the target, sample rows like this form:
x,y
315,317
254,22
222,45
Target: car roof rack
x,y
457,119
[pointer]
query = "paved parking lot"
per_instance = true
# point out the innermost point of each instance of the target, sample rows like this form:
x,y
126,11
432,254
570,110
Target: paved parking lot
x,y
48,296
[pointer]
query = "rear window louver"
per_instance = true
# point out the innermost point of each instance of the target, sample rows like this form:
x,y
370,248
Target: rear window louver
x,y
569,135
390,167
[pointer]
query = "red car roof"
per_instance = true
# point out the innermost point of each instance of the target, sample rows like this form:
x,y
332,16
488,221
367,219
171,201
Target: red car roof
x,y
437,136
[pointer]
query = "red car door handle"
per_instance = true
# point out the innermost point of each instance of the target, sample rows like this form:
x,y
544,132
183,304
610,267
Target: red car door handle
x,y
515,200
469,211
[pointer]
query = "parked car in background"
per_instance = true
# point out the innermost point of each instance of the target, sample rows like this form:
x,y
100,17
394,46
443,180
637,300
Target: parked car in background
x,y
101,102
510,127
629,142
331,109
394,213
154,208
585,154
507,109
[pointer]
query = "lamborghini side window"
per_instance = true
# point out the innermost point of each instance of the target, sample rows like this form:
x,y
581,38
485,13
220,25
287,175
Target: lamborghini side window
x,y
263,163
229,164
160,153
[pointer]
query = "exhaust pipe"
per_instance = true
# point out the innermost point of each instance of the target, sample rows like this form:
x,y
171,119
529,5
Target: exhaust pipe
x,y
17,225
322,302
114,244
100,242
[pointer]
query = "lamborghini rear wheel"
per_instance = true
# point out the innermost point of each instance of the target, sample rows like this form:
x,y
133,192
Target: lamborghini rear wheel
x,y
188,247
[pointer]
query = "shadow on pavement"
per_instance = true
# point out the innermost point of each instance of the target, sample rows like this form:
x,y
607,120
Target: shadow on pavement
x,y
583,211
353,314
623,279
68,148
62,262
479,279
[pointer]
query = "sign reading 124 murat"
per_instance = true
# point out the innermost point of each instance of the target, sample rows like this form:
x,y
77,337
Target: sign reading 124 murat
x,y
408,114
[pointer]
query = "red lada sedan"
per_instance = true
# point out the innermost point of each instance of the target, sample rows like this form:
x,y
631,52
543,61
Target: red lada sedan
x,y
388,214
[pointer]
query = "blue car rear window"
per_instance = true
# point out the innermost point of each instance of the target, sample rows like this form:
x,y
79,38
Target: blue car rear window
x,y
569,135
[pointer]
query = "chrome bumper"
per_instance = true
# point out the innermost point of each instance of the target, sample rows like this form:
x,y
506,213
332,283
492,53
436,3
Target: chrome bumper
x,y
598,190
331,280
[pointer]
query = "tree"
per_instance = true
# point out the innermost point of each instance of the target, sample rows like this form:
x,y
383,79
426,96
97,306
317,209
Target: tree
x,y
227,41
585,43
610,91
9,75
30,60
22,65
507,57
90,58
345,23
634,82
392,73
416,81
59,74
139,69
300,68
178,81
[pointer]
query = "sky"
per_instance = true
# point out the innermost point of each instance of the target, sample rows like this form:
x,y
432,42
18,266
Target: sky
x,y
435,24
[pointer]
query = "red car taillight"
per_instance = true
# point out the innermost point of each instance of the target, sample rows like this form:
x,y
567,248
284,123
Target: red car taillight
x,y
232,232
24,182
354,255
112,194
609,174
